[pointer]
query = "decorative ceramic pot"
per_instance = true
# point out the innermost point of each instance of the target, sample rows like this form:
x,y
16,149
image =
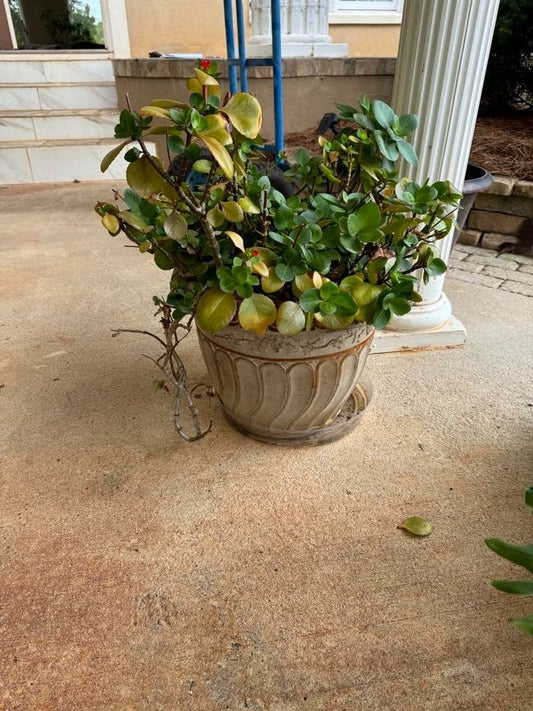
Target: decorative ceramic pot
x,y
301,389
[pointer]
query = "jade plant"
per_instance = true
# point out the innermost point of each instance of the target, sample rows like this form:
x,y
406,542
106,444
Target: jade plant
x,y
346,241
523,556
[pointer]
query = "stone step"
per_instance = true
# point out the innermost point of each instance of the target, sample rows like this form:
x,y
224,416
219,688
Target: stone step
x,y
58,161
70,71
48,125
64,97
41,113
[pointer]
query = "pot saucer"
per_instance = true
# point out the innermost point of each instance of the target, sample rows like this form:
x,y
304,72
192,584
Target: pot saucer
x,y
346,420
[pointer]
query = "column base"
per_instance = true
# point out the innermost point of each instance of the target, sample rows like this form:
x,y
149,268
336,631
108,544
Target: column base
x,y
299,49
450,334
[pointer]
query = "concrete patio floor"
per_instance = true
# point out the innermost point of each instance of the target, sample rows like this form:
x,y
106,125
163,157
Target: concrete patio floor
x,y
141,573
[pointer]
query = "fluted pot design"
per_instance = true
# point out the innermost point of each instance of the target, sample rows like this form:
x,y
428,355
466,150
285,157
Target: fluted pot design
x,y
287,389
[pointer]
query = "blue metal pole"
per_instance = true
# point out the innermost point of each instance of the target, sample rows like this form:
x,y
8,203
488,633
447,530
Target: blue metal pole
x,y
242,45
277,69
230,45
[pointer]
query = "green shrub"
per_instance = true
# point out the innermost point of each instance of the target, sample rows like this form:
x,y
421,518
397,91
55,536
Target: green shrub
x,y
509,80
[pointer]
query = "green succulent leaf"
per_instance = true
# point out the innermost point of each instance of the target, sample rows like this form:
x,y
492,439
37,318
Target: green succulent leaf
x,y
310,300
517,587
407,151
110,157
521,555
523,623
407,124
385,116
365,220
381,318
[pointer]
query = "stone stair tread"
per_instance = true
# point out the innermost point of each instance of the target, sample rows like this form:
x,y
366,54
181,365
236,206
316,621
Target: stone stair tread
x,y
55,85
51,113
52,143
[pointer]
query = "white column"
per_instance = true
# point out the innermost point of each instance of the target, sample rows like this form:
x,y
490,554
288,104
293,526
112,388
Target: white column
x,y
443,54
304,27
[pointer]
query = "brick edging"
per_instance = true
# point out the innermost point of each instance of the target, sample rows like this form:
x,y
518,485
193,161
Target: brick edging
x,y
503,214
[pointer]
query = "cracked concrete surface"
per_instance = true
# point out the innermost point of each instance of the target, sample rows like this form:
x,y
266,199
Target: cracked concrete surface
x,y
140,573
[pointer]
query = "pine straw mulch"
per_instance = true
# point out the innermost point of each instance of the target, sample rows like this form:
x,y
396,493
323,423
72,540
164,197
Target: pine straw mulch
x,y
502,144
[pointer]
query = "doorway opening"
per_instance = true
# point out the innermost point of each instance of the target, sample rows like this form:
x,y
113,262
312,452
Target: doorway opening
x,y
48,25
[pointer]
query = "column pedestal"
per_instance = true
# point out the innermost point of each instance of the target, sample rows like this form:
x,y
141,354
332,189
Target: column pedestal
x,y
443,54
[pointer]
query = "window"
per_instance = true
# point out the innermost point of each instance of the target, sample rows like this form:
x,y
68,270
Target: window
x,y
366,11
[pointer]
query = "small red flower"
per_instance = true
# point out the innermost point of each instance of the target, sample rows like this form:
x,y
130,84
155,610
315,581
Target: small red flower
x,y
206,63
255,252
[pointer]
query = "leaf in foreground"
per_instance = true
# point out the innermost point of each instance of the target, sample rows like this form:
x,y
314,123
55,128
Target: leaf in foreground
x,y
417,525
523,623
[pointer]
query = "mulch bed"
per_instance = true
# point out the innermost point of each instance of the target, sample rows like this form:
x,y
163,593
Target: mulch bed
x,y
502,145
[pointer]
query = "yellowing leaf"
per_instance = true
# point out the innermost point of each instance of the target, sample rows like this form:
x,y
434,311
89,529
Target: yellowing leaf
x,y
322,140
244,112
215,310
290,319
205,79
236,239
144,246
232,211
248,206
301,283
110,157
216,127
317,280
219,153
175,226
143,178
154,111
257,313
260,268
215,217
272,282
194,86
201,166
333,322
417,525
111,223
168,104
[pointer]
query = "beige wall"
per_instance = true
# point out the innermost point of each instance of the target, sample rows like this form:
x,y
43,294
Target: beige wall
x,y
368,40
194,26
176,26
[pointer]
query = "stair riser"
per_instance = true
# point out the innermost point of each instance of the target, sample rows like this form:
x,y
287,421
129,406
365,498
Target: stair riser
x,y
53,164
57,127
58,97
56,72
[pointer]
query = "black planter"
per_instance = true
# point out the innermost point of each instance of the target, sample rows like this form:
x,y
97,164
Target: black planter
x,y
477,179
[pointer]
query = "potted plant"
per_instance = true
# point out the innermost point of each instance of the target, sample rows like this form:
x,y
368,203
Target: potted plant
x,y
286,292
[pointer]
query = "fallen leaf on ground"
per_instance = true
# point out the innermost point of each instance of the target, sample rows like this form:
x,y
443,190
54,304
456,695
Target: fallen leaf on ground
x,y
417,525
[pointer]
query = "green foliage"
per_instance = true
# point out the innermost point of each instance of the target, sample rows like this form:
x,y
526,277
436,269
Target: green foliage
x,y
508,83
344,247
520,555
75,25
